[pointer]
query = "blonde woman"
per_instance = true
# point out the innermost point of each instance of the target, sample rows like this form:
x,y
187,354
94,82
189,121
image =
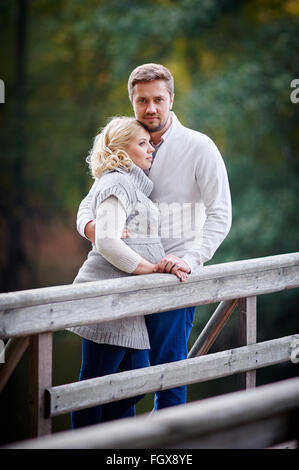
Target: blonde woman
x,y
120,156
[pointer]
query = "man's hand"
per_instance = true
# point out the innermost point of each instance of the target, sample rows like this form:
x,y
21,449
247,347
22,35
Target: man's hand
x,y
90,231
172,264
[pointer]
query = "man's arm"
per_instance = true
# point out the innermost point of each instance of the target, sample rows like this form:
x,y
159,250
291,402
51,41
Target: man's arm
x,y
213,183
85,215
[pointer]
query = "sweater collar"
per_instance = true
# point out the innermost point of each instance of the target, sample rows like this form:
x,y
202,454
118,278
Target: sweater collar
x,y
139,179
172,128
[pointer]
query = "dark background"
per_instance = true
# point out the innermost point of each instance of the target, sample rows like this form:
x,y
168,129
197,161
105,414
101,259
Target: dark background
x,y
65,66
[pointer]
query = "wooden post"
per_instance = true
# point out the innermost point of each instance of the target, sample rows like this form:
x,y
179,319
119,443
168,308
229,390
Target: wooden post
x,y
40,356
247,335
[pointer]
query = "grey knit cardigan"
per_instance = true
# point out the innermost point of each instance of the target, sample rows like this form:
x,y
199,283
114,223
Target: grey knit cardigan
x,y
131,188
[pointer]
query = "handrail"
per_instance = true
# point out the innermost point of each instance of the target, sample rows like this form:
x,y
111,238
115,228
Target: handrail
x,y
45,295
73,305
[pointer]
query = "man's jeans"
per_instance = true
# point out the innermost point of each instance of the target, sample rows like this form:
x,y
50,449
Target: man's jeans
x,y
169,333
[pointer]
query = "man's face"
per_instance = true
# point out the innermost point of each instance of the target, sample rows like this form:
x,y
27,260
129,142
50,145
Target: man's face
x,y
152,104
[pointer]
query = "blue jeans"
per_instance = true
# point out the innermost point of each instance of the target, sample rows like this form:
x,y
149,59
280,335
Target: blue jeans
x,y
103,359
169,333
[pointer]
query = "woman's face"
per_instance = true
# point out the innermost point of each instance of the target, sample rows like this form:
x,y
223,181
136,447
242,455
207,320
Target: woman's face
x,y
140,150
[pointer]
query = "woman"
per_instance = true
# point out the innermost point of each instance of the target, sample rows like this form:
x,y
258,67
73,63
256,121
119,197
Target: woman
x,y
121,154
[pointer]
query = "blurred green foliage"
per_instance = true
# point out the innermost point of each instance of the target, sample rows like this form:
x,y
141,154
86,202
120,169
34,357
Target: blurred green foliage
x,y
233,63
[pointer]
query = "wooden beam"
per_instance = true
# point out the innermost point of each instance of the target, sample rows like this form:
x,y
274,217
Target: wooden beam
x,y
45,295
40,377
100,390
88,303
213,328
276,404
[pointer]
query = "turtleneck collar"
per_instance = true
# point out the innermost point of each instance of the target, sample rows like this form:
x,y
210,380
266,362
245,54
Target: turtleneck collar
x,y
139,178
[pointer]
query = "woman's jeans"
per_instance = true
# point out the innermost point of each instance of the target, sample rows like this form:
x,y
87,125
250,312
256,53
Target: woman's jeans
x,y
169,333
103,359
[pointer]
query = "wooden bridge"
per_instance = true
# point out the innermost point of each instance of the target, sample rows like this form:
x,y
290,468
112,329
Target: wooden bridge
x,y
253,418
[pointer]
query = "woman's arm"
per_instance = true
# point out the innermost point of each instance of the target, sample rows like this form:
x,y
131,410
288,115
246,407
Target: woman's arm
x,y
110,223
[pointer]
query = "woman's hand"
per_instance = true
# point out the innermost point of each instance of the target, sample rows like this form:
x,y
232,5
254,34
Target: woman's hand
x,y
181,275
167,264
174,265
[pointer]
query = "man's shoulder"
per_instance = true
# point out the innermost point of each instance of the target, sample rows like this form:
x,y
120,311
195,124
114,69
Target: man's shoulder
x,y
198,136
190,135
189,139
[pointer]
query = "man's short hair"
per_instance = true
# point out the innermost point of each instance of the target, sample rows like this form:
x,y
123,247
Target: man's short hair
x,y
149,73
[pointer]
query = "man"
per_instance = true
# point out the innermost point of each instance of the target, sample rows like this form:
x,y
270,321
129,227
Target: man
x,y
192,190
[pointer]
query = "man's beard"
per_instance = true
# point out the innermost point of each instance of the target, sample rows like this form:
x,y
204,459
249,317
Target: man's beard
x,y
156,128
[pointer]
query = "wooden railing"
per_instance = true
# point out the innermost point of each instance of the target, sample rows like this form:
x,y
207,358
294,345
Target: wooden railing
x,y
36,314
262,417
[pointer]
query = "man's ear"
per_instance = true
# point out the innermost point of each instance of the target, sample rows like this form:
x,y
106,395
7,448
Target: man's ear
x,y
171,101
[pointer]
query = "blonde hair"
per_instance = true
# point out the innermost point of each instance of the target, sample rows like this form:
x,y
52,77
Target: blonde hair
x,y
109,147
149,73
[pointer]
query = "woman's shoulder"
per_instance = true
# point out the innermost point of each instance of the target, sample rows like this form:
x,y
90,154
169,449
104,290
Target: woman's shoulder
x,y
115,183
115,177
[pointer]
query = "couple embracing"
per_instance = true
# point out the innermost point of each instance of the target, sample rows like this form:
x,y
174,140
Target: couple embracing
x,y
149,161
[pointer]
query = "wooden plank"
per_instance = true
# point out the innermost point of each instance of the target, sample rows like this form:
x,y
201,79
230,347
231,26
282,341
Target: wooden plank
x,y
40,377
87,393
14,351
195,291
213,328
174,426
64,293
247,335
